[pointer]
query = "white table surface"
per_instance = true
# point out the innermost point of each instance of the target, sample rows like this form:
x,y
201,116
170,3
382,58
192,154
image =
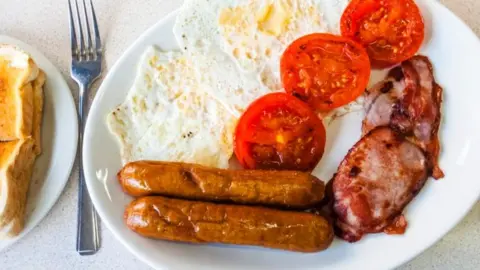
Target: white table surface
x,y
51,245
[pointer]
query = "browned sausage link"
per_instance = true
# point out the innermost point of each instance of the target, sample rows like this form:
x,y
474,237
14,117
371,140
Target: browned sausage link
x,y
188,181
202,222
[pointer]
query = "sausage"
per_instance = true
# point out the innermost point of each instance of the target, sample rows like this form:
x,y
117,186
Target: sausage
x,y
203,222
188,181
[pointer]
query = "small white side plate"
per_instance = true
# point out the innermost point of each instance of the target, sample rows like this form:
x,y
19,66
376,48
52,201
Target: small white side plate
x,y
59,142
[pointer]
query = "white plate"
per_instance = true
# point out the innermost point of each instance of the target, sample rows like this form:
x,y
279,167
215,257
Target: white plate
x,y
455,52
59,143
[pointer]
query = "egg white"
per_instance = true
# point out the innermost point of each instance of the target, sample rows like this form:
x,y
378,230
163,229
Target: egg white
x,y
198,35
167,116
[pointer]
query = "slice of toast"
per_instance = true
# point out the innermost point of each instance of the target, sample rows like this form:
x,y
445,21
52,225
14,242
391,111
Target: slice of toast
x,y
16,166
18,72
21,113
38,111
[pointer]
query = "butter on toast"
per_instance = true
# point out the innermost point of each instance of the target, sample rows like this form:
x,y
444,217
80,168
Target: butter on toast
x,y
16,166
18,72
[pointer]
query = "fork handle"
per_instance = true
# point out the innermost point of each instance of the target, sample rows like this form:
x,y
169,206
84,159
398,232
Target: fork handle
x,y
88,241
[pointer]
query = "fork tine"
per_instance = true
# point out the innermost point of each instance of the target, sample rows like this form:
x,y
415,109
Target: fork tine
x,y
89,36
98,41
82,42
73,34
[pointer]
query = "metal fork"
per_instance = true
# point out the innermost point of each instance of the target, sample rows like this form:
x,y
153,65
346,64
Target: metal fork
x,y
86,68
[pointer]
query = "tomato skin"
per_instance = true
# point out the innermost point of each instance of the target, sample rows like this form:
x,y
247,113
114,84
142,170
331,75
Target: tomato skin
x,y
392,31
260,126
324,70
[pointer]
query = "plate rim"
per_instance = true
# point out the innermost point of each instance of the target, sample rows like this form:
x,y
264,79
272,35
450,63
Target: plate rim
x,y
36,55
141,255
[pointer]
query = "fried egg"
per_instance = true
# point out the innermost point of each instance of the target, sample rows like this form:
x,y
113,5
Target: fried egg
x,y
254,33
167,115
197,33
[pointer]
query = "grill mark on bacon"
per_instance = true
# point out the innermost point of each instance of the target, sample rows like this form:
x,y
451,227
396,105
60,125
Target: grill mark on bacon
x,y
354,171
387,86
396,73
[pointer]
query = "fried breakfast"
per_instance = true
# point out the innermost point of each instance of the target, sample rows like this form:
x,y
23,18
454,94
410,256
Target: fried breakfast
x,y
203,222
259,79
21,110
195,182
